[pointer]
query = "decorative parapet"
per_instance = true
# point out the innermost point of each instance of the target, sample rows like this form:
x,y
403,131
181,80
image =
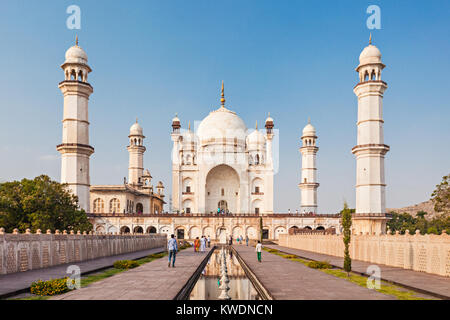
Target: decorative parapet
x,y
426,253
30,251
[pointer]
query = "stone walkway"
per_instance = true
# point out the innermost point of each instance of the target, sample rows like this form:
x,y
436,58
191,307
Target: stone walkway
x,y
419,281
291,280
151,281
13,283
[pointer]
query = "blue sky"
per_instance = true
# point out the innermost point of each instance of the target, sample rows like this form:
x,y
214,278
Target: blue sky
x,y
295,59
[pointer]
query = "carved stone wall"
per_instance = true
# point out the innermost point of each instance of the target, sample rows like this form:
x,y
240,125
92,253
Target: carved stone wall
x,y
427,253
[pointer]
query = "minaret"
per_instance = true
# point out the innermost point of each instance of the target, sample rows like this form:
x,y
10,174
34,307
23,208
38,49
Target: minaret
x,y
370,149
176,187
269,125
309,185
136,150
75,149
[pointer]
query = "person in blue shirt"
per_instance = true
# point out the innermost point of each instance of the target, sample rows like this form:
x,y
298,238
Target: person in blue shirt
x,y
172,247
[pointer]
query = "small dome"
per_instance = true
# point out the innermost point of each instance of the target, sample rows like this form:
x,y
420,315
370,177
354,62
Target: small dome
x,y
147,173
176,119
76,54
309,130
136,130
369,55
256,137
160,185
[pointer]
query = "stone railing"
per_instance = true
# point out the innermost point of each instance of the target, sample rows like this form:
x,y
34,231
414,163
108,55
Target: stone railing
x,y
427,253
28,251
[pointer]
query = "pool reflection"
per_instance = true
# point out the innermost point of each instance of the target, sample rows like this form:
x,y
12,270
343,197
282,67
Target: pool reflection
x,y
207,286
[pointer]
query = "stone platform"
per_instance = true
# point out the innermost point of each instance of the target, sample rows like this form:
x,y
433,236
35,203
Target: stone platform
x,y
19,282
427,283
291,280
151,281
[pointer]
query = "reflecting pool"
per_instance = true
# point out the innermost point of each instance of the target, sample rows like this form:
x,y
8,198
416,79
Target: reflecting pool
x,y
207,286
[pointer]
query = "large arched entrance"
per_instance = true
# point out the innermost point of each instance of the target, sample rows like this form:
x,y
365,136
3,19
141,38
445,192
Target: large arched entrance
x,y
222,205
222,189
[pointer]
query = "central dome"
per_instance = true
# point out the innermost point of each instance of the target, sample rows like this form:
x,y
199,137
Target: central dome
x,y
222,123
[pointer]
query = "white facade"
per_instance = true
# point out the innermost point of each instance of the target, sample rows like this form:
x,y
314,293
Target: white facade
x,y
222,166
75,149
308,184
370,149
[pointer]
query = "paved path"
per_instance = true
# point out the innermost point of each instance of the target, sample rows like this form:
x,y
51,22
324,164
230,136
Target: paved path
x,y
151,281
291,280
13,283
418,281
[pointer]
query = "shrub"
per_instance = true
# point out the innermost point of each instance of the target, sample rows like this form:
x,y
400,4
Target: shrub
x,y
290,256
319,265
125,264
50,288
272,250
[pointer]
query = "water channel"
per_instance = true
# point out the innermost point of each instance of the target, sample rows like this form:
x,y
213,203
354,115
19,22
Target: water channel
x,y
212,283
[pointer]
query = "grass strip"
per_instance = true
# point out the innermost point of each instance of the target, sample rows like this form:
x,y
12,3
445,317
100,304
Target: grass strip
x,y
87,280
385,287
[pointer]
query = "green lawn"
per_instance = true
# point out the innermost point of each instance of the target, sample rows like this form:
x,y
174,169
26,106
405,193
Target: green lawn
x,y
385,288
87,280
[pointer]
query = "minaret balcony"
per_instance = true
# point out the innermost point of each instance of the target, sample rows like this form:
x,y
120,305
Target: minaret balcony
x,y
75,148
371,147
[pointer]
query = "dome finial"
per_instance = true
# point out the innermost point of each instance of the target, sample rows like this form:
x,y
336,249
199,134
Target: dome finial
x,y
222,99
256,124
76,40
189,126
136,120
309,120
370,38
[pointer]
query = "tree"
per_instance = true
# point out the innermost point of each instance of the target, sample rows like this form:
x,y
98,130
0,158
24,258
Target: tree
x,y
441,196
347,224
40,204
404,221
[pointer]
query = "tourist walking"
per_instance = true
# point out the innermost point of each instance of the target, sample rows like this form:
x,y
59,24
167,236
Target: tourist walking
x,y
237,239
196,244
231,240
173,248
246,240
209,242
258,250
203,244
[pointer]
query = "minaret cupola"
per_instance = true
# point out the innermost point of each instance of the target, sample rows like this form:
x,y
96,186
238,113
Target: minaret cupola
x,y
269,124
370,64
76,66
176,124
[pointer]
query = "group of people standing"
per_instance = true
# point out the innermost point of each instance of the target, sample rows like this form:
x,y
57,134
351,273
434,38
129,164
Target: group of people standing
x,y
239,240
200,244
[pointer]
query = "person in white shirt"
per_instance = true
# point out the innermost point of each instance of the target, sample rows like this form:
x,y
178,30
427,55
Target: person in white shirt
x,y
203,244
209,242
172,247
258,250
